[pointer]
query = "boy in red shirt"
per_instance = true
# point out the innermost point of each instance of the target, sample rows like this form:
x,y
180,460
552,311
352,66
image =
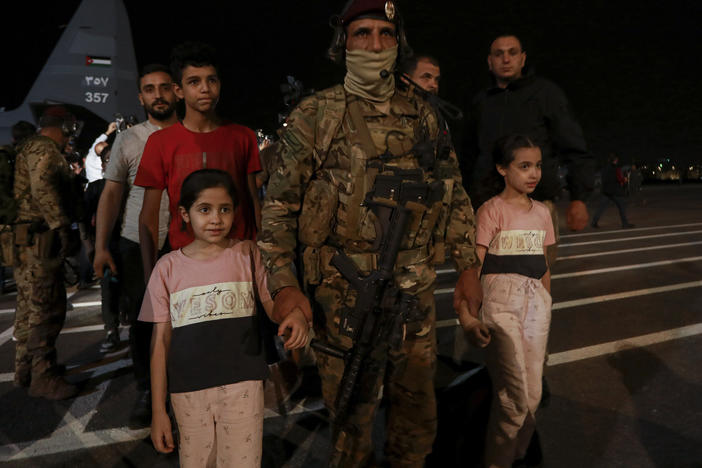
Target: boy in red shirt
x,y
201,140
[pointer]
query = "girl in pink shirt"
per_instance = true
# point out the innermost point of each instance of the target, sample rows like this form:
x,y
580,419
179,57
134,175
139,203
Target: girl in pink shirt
x,y
205,344
511,236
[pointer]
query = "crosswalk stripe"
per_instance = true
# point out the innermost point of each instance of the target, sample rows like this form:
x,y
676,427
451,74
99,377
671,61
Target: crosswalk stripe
x,y
615,231
622,239
625,295
638,249
624,267
620,345
590,300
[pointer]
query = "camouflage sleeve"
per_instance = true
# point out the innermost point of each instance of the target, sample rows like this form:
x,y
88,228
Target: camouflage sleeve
x,y
291,167
48,174
457,222
460,231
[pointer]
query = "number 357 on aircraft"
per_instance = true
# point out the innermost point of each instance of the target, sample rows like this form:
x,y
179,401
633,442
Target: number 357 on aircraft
x,y
96,97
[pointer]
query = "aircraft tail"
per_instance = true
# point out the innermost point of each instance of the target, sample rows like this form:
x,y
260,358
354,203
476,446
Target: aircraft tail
x,y
92,69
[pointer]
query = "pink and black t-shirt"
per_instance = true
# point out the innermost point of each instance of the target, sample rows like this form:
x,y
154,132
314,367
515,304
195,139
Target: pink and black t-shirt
x,y
212,309
515,237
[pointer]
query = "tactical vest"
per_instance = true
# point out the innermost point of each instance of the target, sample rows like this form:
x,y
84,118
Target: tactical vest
x,y
348,163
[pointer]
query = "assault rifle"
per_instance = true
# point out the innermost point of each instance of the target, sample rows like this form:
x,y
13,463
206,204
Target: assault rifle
x,y
381,309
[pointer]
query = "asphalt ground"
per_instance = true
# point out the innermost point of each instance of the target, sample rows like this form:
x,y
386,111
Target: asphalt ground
x,y
623,368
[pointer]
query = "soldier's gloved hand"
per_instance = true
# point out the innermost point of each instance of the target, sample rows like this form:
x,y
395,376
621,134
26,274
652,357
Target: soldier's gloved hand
x,y
70,241
286,300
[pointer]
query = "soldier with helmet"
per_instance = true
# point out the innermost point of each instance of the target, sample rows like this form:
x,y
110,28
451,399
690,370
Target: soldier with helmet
x,y
336,146
42,238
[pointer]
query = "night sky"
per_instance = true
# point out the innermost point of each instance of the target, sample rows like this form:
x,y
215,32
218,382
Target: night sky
x,y
630,69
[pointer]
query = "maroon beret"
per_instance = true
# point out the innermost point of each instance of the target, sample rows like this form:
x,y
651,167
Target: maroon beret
x,y
378,9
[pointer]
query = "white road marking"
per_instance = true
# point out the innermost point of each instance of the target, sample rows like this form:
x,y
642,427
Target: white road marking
x,y
622,239
598,254
6,335
71,435
74,304
83,329
625,295
86,304
590,300
639,249
65,439
620,345
624,267
615,231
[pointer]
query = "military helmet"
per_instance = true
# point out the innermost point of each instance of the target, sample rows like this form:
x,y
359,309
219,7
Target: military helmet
x,y
59,117
357,9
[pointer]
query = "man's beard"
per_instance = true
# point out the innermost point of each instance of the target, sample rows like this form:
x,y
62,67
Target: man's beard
x,y
160,115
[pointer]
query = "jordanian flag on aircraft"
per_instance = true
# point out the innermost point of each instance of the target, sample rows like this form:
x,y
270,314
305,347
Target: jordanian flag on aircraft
x,y
98,61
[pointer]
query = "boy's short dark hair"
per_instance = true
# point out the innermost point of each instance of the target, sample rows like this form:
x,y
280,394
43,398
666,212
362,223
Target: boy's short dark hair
x,y
152,68
194,54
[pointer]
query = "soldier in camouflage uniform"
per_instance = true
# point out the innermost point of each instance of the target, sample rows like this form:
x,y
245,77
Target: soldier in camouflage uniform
x,y
42,231
323,169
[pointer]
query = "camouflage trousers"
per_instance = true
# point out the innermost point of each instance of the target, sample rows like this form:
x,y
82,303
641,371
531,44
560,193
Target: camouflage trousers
x,y
40,313
404,377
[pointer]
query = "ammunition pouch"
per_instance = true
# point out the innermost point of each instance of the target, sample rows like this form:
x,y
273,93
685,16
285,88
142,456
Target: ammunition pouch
x,y
318,209
46,245
42,242
310,260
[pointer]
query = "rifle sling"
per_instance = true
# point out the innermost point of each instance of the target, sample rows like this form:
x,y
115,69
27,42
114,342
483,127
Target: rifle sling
x,y
359,123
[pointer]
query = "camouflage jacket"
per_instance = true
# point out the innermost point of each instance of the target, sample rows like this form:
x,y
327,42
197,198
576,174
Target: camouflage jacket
x,y
321,174
42,184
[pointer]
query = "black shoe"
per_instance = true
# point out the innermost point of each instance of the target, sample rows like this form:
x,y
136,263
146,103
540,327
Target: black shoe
x,y
594,224
111,342
141,413
627,226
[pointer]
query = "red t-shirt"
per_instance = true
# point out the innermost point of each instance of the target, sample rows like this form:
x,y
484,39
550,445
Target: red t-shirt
x,y
171,154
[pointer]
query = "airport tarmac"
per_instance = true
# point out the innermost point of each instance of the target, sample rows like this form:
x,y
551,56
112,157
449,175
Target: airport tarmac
x,y
623,368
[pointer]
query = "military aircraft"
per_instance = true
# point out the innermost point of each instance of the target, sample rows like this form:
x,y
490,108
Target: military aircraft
x,y
92,71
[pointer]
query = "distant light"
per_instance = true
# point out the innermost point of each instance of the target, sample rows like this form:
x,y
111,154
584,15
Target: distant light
x,y
285,124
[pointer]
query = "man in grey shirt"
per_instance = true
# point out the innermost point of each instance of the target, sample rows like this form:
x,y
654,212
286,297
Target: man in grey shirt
x,y
123,257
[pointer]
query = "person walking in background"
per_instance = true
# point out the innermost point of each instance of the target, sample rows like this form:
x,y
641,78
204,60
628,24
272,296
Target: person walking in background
x,y
613,190
635,181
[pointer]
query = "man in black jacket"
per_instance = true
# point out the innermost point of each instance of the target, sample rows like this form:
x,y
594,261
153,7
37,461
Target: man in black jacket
x,y
520,102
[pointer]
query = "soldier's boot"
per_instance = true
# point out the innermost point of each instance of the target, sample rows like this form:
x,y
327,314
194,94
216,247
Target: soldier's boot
x,y
23,372
23,377
52,387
